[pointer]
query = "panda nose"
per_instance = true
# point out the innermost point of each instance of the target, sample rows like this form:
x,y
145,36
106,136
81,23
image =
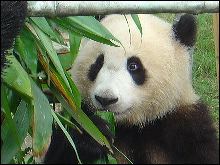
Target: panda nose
x,y
105,101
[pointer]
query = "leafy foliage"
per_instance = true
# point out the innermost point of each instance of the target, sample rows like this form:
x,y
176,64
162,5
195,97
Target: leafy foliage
x,y
36,67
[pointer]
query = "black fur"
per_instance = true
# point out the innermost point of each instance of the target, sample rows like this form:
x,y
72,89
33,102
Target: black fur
x,y
183,137
13,14
61,151
185,30
136,69
186,136
95,68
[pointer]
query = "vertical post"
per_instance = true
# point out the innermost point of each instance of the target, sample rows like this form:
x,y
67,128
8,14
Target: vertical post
x,y
216,40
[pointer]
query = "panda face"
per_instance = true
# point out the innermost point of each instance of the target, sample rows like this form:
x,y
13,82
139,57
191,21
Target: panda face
x,y
113,81
141,81
134,67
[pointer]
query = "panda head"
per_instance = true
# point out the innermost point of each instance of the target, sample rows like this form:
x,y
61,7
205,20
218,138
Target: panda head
x,y
146,78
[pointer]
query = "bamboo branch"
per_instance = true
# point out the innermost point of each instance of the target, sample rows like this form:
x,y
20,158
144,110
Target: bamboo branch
x,y
73,8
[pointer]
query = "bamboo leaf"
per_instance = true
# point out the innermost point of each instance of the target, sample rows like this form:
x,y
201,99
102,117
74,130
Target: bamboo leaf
x,y
82,119
16,77
66,98
137,22
74,89
75,41
66,60
109,117
81,26
61,85
67,122
42,125
25,47
10,122
92,25
42,23
111,159
67,135
51,52
21,121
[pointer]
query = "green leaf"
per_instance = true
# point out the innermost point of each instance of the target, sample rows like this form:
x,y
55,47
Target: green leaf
x,y
101,160
82,119
21,121
111,159
137,22
42,124
10,122
75,41
109,117
104,160
81,26
25,47
16,77
67,122
13,99
67,134
71,94
65,60
42,23
46,41
74,89
92,25
64,90
123,155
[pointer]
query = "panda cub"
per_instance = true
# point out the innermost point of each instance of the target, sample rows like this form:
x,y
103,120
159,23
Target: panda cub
x,y
146,84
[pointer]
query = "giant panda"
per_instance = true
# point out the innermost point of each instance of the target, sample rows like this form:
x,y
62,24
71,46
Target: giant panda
x,y
146,84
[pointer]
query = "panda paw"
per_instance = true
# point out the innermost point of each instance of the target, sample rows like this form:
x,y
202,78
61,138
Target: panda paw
x,y
61,151
88,148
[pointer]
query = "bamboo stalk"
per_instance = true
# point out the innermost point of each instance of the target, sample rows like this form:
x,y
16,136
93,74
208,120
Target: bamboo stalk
x,y
72,8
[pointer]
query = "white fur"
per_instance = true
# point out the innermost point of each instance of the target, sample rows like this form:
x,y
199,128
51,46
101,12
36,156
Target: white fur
x,y
166,62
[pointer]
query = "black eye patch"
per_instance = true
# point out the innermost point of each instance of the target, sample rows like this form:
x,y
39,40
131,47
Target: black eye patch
x,y
95,67
136,70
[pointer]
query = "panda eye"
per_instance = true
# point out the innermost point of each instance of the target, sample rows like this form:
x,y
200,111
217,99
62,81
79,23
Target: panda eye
x,y
136,70
133,66
96,67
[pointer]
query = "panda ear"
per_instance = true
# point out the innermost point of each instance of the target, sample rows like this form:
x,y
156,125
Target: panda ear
x,y
185,30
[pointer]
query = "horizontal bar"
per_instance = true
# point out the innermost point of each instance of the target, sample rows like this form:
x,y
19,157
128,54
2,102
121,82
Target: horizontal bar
x,y
73,8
